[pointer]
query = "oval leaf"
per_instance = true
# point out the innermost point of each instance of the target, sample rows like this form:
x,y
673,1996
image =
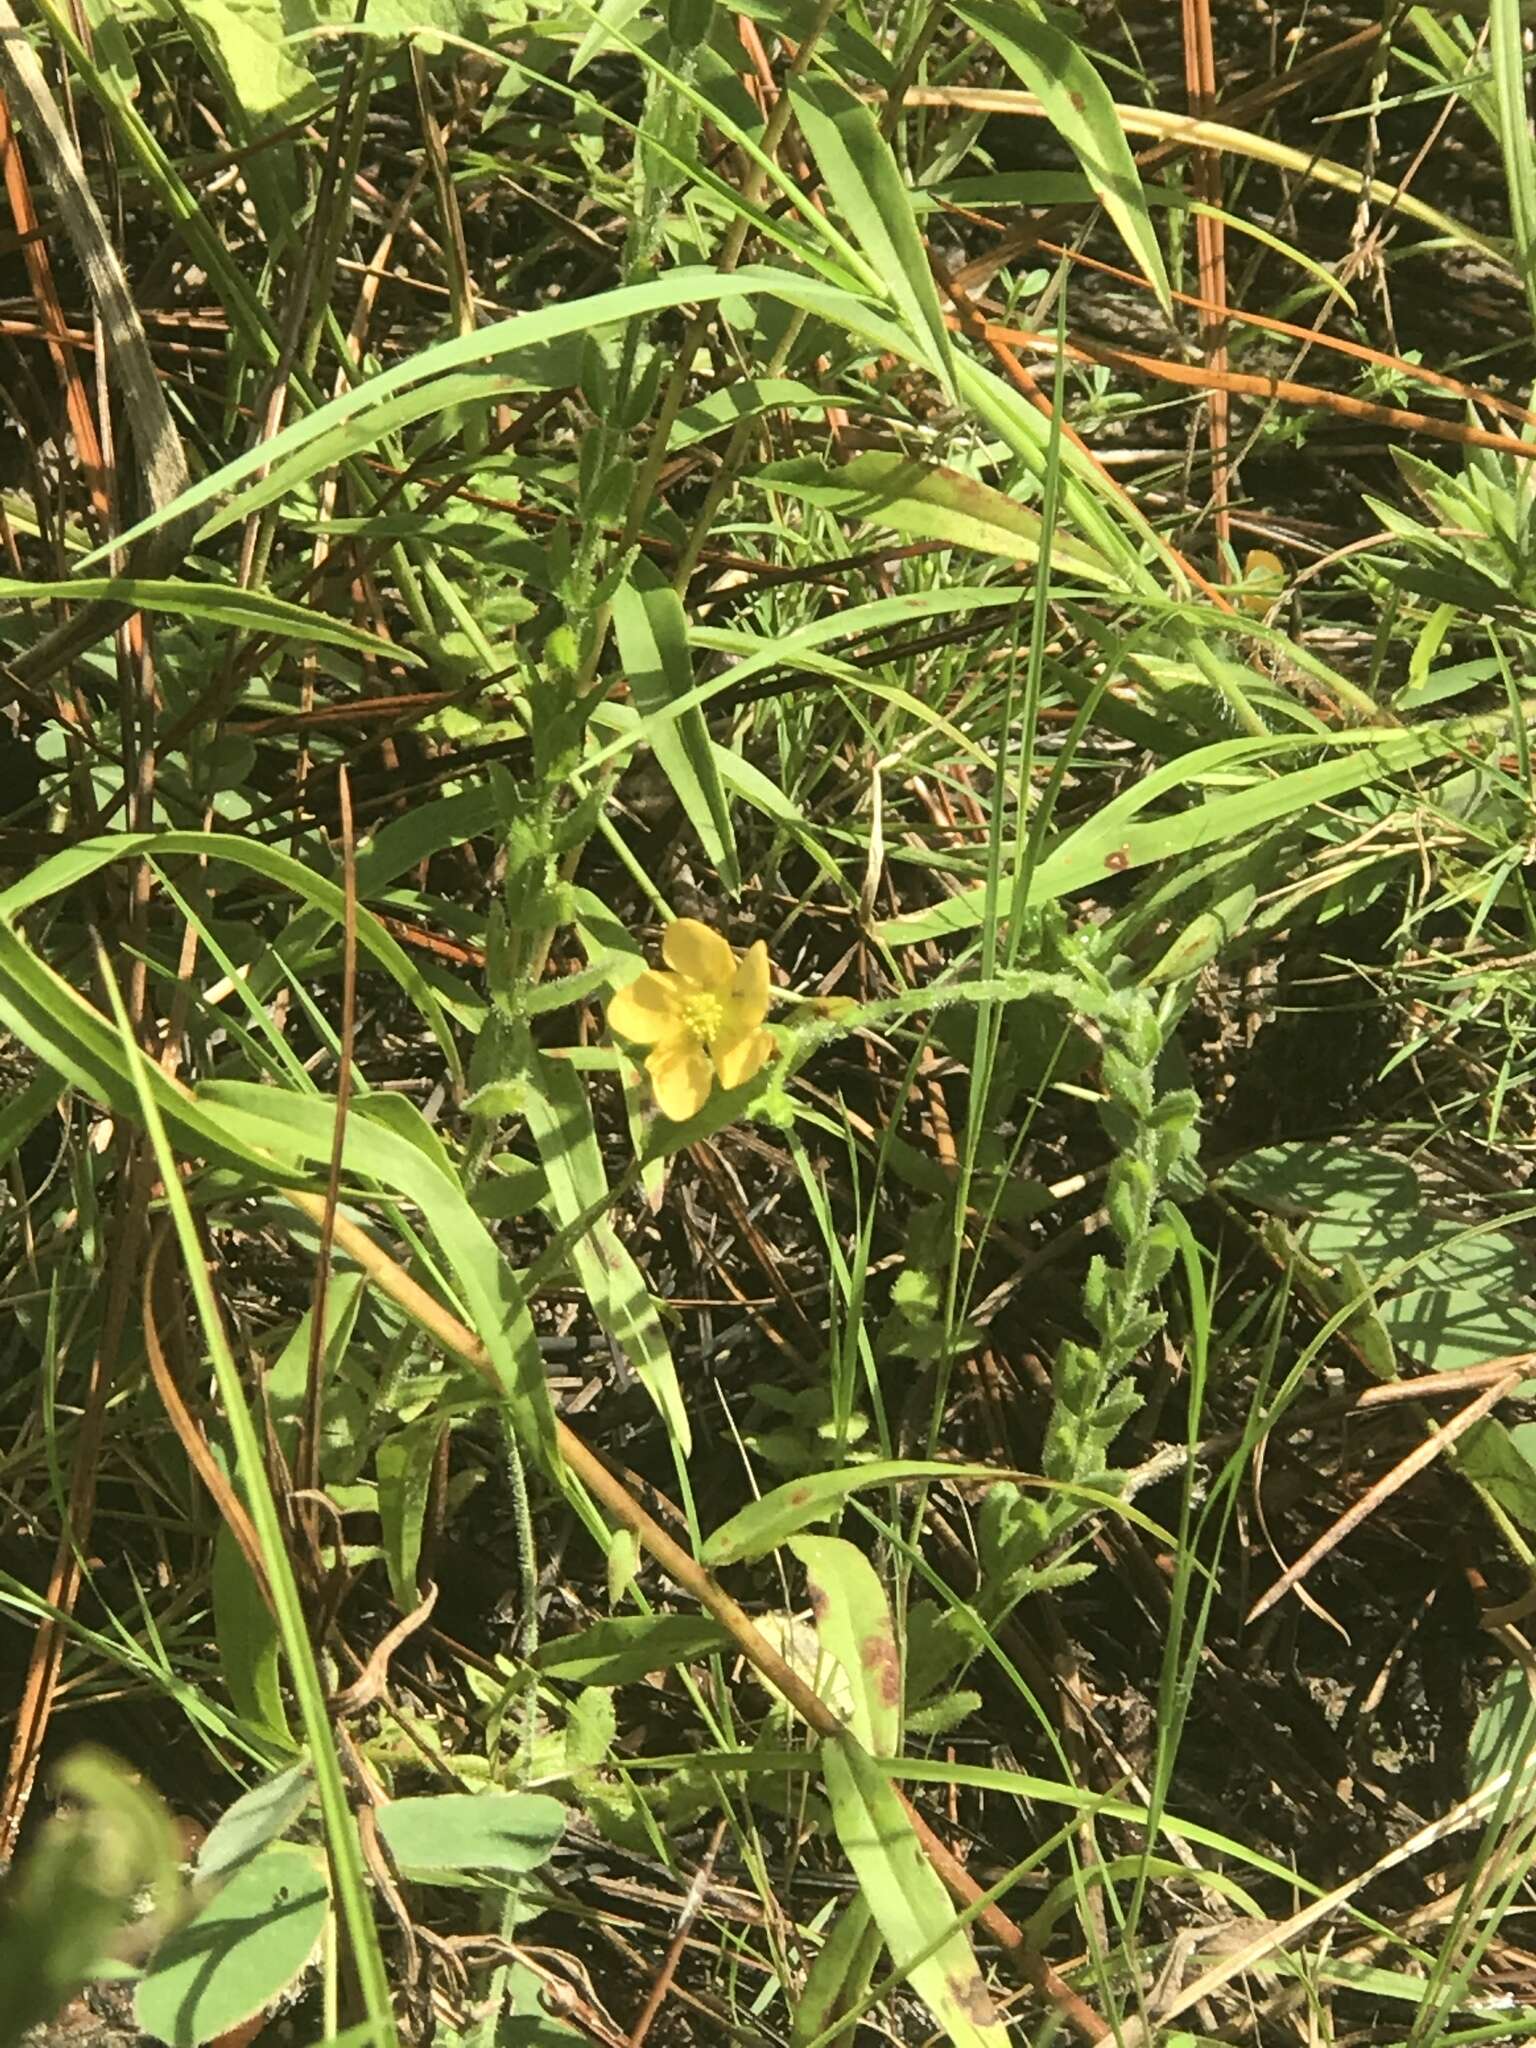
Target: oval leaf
x,y
256,1818
242,1951
472,1830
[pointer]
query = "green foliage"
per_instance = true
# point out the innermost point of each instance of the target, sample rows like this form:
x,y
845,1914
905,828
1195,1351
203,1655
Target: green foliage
x,y
781,1514
1051,62
256,1819
249,1943
1154,1132
905,1897
1415,1289
838,1980
611,502
461,1831
854,1626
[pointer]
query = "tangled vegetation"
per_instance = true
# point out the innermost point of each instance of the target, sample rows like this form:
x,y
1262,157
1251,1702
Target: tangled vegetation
x,y
766,999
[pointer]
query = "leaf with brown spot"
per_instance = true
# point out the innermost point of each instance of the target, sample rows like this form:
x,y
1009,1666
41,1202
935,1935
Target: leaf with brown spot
x,y
1079,106
974,1999
778,1515
877,1655
853,1620
906,1896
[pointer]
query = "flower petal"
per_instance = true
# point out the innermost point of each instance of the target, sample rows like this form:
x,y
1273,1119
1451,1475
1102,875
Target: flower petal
x,y
747,1003
682,1078
648,1010
737,1059
691,948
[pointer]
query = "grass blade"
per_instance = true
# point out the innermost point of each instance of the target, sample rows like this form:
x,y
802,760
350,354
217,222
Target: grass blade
x,y
1079,107
909,1904
862,178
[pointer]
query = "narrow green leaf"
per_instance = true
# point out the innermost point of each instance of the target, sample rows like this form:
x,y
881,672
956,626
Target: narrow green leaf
x,y
287,1381
296,1132
789,1508
248,1643
49,1017
343,1850
404,1461
421,830
611,14
853,1622
1503,1737
63,871
838,1981
1058,188
925,501
1506,48
626,1648
1115,839
1080,107
21,1115
1203,938
652,631
1455,51
860,173
560,1118
905,1895
722,409
247,611
269,470
755,652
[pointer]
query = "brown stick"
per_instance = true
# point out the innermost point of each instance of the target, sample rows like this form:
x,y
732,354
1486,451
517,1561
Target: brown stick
x,y
674,1954
1211,255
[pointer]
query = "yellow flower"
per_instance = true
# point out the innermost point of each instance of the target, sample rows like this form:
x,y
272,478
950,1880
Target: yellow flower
x,y
1264,576
703,1021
